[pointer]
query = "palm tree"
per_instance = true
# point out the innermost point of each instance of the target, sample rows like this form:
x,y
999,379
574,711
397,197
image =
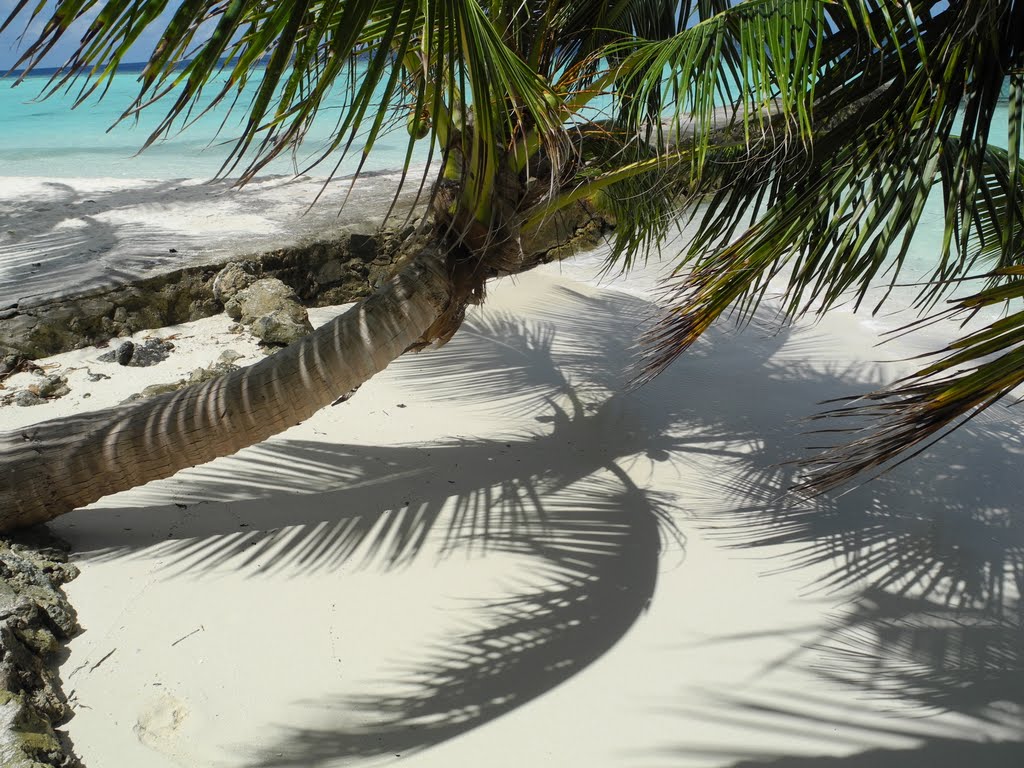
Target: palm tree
x,y
812,130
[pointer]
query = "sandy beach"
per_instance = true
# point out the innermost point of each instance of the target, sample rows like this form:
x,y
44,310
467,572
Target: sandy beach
x,y
63,235
498,553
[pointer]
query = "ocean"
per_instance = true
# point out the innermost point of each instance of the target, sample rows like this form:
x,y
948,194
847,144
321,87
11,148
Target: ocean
x,y
48,137
35,136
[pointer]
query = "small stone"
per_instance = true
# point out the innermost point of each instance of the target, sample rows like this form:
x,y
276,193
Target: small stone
x,y
25,398
120,315
52,387
124,353
153,351
229,356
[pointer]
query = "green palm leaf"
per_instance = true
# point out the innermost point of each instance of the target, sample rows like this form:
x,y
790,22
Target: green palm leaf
x,y
812,132
831,213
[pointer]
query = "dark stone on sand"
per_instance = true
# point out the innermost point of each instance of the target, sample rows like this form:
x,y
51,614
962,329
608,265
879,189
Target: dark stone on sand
x,y
124,353
153,351
25,398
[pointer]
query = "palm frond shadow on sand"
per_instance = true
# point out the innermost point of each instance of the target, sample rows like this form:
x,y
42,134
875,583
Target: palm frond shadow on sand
x,y
947,526
594,575
888,653
386,502
934,551
566,493
44,246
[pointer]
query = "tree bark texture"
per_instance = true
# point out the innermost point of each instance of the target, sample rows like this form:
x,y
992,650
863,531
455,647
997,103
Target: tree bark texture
x,y
54,467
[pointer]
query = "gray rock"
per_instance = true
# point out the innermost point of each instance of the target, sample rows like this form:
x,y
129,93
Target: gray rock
x,y
229,356
25,398
35,621
263,297
123,354
51,387
139,355
280,327
152,352
235,277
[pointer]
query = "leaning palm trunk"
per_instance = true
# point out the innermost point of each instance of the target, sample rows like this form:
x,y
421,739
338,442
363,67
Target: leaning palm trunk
x,y
57,466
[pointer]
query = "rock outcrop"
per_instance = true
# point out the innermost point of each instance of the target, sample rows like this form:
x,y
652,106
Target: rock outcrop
x,y
270,309
320,273
35,622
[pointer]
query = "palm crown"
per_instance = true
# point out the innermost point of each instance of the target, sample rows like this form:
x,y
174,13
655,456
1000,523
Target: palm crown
x,y
812,132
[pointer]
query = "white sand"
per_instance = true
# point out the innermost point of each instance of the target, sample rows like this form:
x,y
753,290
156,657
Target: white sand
x,y
84,233
476,554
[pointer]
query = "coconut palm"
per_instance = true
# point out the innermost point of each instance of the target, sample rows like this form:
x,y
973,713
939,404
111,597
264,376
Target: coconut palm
x,y
812,130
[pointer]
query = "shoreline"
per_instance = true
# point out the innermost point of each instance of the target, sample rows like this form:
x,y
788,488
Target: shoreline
x,y
100,233
91,260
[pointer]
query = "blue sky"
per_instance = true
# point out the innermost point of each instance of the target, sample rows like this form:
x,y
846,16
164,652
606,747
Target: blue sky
x,y
10,46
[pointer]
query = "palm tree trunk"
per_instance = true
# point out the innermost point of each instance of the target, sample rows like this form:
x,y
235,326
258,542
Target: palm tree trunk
x,y
57,466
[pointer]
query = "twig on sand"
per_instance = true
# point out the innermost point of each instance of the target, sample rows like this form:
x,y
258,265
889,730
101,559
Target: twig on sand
x,y
200,628
111,653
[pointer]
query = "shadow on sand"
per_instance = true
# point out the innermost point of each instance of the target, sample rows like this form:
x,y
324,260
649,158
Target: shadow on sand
x,y
938,562
65,238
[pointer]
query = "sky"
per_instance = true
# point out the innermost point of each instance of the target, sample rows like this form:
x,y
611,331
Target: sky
x,y
10,46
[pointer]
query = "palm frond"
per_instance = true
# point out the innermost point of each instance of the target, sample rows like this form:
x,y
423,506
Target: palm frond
x,y
839,212
975,372
380,61
759,68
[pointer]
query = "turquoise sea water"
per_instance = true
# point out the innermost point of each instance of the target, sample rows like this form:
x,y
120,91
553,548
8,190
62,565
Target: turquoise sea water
x,y
49,138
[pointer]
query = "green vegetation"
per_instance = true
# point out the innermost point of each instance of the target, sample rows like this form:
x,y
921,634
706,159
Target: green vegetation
x,y
813,131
